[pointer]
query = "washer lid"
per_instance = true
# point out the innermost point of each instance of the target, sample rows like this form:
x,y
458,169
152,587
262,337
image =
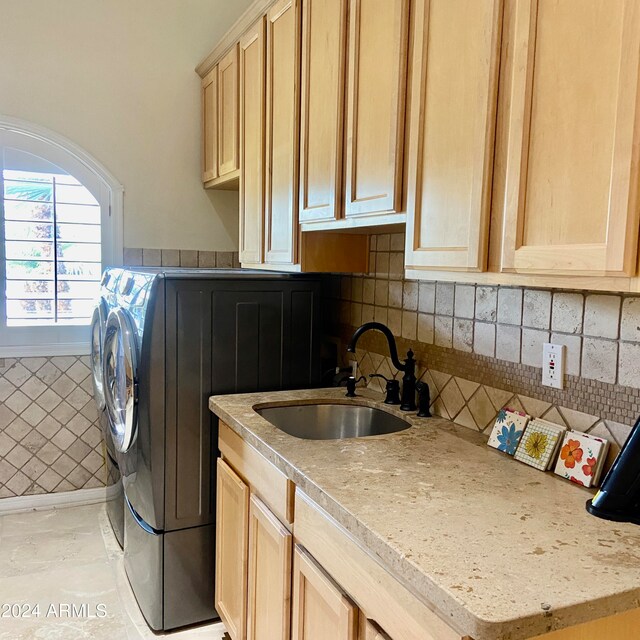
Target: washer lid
x,y
120,378
98,325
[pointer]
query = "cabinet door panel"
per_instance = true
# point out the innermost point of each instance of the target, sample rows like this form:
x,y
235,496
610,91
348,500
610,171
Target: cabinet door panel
x,y
228,113
454,88
232,529
281,207
570,205
269,575
210,126
378,46
324,26
371,631
252,105
320,610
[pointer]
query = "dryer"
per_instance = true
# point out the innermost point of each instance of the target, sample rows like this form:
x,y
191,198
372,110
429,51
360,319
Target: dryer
x,y
115,494
173,338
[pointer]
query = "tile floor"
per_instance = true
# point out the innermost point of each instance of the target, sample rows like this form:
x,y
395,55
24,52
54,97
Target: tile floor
x,y
70,557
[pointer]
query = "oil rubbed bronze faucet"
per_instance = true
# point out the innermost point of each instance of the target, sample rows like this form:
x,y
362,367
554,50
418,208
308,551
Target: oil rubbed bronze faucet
x,y
408,400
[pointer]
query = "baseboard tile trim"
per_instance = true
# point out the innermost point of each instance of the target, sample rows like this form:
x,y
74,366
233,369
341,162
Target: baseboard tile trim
x,y
60,500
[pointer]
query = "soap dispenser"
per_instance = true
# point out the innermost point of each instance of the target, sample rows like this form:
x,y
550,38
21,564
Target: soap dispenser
x,y
619,495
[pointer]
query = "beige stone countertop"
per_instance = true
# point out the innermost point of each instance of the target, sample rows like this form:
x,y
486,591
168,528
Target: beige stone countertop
x,y
495,547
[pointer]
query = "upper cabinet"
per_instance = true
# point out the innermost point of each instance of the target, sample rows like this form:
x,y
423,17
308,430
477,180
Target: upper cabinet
x,y
377,76
228,113
454,87
324,42
281,193
210,126
504,133
571,159
220,130
252,122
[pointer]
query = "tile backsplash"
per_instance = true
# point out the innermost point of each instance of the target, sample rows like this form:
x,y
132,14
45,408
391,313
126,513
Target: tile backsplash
x,y
50,439
481,346
181,258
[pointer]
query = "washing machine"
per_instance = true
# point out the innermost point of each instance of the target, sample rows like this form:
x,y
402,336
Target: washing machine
x,y
115,492
173,338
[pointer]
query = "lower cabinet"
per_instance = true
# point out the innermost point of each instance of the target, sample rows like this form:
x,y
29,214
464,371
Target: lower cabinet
x,y
232,528
269,588
370,631
321,611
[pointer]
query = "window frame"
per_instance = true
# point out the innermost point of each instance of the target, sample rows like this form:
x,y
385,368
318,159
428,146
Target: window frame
x,y
50,340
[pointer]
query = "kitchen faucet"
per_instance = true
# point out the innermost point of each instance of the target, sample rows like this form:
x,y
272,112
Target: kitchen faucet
x,y
408,401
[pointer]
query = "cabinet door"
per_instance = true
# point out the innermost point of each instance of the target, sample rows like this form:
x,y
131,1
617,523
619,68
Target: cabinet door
x,y
454,89
320,610
324,32
281,206
378,46
570,202
210,126
252,143
269,575
232,529
371,631
228,113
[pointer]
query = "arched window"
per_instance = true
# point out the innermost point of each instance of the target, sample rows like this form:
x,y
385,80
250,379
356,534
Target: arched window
x,y
60,226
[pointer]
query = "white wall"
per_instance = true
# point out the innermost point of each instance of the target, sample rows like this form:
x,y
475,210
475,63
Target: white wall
x,y
117,78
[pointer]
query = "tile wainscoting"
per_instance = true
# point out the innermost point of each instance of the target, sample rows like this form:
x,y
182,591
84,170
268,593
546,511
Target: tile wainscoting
x,y
480,347
181,258
50,439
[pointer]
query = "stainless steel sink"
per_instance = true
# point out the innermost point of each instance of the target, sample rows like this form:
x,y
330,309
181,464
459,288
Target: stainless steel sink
x,y
332,421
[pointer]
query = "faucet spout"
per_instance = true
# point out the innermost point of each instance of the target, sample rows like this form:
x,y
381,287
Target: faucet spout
x,y
408,401
393,351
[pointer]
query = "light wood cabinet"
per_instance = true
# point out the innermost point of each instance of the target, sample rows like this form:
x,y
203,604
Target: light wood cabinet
x,y
210,126
320,610
228,113
370,631
252,121
232,535
570,201
281,203
377,75
324,41
456,50
270,554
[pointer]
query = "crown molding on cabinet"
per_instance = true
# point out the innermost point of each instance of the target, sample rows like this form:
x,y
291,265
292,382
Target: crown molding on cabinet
x,y
232,36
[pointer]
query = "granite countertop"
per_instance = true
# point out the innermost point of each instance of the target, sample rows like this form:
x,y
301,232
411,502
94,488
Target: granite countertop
x,y
497,548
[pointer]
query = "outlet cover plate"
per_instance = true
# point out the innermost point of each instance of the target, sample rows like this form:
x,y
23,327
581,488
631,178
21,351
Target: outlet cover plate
x,y
553,361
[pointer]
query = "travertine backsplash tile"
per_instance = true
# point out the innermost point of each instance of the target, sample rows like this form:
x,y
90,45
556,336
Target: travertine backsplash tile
x,y
602,316
50,439
489,340
181,258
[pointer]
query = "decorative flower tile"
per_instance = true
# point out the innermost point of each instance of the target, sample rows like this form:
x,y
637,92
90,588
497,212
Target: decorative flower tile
x,y
538,444
581,458
507,430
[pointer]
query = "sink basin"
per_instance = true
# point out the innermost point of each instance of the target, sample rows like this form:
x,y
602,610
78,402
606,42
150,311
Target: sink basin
x,y
332,421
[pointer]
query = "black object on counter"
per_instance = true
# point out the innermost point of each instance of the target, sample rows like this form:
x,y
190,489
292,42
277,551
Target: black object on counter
x,y
619,495
351,385
424,400
408,402
392,389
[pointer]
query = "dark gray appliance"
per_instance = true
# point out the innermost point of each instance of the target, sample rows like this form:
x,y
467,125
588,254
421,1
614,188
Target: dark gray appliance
x,y
174,338
115,493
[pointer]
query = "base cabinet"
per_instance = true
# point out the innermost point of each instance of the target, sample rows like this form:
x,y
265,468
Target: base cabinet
x,y
269,584
370,631
321,611
232,527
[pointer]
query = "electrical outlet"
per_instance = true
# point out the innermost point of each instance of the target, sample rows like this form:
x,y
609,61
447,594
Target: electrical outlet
x,y
553,356
354,368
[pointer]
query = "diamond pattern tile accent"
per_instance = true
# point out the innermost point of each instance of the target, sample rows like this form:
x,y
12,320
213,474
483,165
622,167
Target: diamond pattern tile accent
x,y
50,439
